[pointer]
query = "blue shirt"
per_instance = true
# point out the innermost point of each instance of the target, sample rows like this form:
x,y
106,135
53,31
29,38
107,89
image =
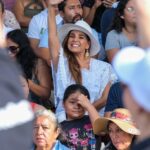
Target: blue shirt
x,y
58,146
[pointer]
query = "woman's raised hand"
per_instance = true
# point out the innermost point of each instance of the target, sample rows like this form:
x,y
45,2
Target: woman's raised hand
x,y
108,3
54,2
97,3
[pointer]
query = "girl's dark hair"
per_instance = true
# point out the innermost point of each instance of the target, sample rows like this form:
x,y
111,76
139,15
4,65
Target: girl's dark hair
x,y
25,57
118,22
62,5
74,88
74,66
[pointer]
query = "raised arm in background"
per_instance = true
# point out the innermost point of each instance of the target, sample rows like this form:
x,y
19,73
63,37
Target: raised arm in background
x,y
54,44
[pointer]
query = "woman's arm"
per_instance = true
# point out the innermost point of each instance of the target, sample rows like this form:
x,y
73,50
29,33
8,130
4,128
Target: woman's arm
x,y
111,53
2,35
43,89
100,103
112,45
19,13
54,44
89,13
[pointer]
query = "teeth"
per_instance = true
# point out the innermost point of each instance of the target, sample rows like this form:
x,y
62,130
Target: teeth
x,y
75,45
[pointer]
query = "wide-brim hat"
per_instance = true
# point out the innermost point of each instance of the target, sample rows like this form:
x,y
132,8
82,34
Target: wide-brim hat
x,y
121,117
83,27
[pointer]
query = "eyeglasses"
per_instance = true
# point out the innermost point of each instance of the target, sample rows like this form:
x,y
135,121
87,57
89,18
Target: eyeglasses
x,y
13,49
130,9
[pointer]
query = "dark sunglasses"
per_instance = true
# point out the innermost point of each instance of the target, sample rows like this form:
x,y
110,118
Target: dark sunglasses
x,y
13,49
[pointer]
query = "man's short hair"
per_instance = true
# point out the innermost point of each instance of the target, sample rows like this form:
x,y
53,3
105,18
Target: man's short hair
x,y
2,6
62,5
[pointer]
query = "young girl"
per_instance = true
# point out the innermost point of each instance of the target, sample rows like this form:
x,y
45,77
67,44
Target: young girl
x,y
77,129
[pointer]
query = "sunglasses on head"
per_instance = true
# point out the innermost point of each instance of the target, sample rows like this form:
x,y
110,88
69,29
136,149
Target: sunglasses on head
x,y
13,49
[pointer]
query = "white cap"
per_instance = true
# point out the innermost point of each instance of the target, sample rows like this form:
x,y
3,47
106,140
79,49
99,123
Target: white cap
x,y
132,64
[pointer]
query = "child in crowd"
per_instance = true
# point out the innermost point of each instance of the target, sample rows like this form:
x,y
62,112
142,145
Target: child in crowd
x,y
77,129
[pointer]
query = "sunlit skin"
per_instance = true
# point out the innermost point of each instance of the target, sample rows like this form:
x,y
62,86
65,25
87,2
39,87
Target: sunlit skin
x,y
77,42
120,139
44,133
25,86
72,108
11,43
72,11
129,13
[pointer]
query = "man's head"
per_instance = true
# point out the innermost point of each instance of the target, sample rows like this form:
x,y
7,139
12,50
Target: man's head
x,y
71,10
132,65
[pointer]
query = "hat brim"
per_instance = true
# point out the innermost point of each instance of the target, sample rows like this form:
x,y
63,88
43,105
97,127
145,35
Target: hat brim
x,y
66,28
100,125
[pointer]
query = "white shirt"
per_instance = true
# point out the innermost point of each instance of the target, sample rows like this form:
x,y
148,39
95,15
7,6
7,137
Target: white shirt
x,y
6,30
94,79
38,24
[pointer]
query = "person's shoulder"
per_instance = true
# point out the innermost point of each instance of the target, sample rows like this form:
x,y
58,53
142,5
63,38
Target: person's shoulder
x,y
101,63
113,32
7,29
42,14
60,146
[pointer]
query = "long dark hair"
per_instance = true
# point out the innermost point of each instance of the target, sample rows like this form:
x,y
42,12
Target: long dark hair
x,y
74,66
118,23
25,57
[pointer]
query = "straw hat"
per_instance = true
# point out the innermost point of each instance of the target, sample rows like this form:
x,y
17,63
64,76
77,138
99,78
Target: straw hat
x,y
121,117
83,27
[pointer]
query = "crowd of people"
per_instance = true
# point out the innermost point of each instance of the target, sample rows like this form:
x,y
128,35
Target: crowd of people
x,y
74,74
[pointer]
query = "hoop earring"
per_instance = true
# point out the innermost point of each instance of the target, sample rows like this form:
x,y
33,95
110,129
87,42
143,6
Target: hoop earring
x,y
87,54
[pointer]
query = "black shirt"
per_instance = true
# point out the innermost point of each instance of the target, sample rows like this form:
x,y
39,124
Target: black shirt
x,y
143,145
114,99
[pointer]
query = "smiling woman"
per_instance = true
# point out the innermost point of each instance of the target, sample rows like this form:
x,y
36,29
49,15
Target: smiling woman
x,y
72,50
120,127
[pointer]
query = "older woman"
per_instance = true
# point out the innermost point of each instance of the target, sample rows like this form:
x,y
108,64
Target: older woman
x,y
120,127
123,31
46,131
73,63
